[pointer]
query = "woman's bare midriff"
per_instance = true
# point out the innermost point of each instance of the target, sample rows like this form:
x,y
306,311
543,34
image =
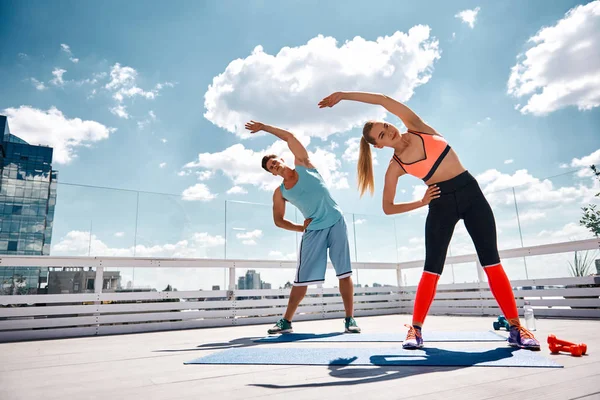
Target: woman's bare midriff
x,y
448,169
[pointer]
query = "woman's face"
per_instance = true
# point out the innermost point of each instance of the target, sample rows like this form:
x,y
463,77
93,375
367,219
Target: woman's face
x,y
385,135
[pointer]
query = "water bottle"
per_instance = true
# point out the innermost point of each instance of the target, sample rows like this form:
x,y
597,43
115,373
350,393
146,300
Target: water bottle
x,y
529,317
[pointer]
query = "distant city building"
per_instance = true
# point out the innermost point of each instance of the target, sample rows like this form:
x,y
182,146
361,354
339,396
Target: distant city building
x,y
78,280
251,281
27,201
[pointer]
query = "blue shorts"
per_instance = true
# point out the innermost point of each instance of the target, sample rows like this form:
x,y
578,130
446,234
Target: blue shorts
x,y
312,261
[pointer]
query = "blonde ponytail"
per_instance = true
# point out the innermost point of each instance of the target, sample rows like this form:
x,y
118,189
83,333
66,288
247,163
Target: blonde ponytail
x,y
365,168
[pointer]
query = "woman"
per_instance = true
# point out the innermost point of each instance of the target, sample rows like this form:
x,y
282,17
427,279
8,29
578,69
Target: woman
x,y
453,194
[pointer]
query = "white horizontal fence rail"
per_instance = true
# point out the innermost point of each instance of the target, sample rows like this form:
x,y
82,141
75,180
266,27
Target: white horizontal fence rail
x,y
25,317
576,297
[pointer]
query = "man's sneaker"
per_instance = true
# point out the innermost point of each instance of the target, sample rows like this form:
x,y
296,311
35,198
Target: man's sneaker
x,y
351,326
413,340
522,338
282,326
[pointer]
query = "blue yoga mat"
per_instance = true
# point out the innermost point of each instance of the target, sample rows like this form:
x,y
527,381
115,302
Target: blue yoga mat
x,y
432,336
500,357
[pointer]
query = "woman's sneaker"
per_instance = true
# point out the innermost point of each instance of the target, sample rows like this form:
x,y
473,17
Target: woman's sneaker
x,y
351,326
522,338
282,326
414,340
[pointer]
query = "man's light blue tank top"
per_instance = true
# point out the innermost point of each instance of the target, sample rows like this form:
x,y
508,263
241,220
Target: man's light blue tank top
x,y
312,198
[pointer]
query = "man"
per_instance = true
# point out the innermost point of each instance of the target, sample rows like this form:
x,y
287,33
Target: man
x,y
324,226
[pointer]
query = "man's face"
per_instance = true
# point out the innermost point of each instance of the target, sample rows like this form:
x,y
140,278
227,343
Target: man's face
x,y
275,165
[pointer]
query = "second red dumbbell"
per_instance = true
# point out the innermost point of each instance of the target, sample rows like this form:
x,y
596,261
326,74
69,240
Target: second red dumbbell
x,y
557,345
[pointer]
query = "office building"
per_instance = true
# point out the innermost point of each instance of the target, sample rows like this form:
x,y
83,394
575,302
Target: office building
x,y
27,201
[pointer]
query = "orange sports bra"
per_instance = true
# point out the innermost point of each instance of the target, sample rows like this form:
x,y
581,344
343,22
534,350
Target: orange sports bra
x,y
435,148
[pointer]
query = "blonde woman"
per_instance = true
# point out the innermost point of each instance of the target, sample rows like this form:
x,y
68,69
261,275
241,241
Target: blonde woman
x,y
452,194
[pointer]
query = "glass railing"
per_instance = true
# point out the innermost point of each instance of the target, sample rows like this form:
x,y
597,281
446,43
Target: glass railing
x,y
94,221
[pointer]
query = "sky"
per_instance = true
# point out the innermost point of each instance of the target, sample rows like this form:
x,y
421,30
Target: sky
x,y
144,103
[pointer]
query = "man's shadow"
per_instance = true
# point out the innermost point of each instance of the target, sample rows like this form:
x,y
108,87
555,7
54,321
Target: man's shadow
x,y
258,340
384,368
232,344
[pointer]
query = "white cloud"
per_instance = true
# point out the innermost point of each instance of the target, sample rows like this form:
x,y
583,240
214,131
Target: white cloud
x,y
204,175
255,234
58,77
419,192
160,86
570,231
468,17
198,192
151,117
52,128
563,67
483,121
121,77
163,140
67,50
249,237
328,166
23,56
120,111
531,190
531,216
237,190
351,152
278,255
360,221
38,85
510,161
184,173
417,240
119,234
77,243
298,77
123,84
584,163
162,165
204,239
243,166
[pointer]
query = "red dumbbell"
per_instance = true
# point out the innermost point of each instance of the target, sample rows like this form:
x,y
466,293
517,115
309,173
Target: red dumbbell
x,y
556,345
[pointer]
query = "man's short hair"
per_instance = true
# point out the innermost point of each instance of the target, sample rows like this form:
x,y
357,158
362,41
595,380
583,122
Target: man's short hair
x,y
266,159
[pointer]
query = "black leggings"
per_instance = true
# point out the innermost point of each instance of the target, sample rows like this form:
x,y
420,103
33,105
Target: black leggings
x,y
460,198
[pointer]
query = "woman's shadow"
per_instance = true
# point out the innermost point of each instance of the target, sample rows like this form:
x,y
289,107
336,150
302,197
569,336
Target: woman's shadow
x,y
232,344
255,341
396,366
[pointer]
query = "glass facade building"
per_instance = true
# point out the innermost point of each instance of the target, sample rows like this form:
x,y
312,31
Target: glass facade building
x,y
27,201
